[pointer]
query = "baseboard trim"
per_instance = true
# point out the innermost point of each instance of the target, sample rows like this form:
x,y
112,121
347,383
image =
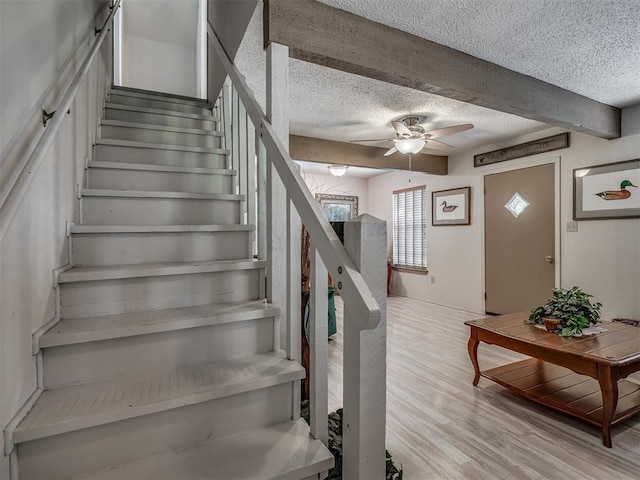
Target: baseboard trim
x,y
58,271
9,446
13,465
35,337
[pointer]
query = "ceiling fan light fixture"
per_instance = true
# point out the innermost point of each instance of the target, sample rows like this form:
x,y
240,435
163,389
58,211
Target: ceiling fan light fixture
x,y
338,170
410,146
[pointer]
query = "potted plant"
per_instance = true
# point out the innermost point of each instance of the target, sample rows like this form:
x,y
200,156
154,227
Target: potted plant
x,y
571,312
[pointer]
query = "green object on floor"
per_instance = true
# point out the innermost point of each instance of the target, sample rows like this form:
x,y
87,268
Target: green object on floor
x,y
332,327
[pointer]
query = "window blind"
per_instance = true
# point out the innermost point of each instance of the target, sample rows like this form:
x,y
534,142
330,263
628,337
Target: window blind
x,y
409,235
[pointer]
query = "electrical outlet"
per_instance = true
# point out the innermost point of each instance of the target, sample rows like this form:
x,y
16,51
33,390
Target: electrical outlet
x,y
433,279
572,226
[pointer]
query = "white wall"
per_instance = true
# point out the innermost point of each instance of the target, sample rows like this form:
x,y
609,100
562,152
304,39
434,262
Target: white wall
x,y
158,66
37,44
603,257
345,185
159,45
450,250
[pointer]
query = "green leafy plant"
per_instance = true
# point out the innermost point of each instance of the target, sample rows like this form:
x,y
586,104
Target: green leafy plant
x,y
572,307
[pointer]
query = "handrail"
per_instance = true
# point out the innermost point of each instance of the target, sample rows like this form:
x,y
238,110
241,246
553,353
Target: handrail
x,y
359,300
20,179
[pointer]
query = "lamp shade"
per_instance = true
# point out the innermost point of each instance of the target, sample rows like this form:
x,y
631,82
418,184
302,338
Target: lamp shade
x,y
410,146
338,170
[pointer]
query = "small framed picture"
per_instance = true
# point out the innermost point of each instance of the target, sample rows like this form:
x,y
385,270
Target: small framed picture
x,y
338,208
607,191
451,207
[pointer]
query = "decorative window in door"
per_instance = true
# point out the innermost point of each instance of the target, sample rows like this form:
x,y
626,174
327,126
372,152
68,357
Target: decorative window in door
x,y
516,205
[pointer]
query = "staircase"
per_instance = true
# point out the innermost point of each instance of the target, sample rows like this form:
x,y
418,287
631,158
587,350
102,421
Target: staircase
x,y
163,364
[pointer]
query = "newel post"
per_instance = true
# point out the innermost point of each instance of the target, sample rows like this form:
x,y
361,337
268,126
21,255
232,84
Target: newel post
x,y
365,354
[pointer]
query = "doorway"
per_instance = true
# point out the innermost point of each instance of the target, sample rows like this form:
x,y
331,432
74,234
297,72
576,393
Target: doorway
x,y
519,238
155,48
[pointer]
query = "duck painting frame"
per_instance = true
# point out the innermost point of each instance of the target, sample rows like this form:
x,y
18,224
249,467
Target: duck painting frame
x,y
610,191
451,207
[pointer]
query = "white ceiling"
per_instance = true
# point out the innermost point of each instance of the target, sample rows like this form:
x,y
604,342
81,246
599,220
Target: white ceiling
x,y
591,47
354,172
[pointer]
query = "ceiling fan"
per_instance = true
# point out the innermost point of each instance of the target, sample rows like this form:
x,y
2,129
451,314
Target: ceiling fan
x,y
411,138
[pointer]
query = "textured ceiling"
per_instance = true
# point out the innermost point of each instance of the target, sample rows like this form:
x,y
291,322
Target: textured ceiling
x,y
353,172
334,105
591,47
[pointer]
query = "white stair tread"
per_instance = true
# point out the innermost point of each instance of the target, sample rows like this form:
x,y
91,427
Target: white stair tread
x,y
81,330
283,451
98,229
159,146
111,272
168,97
97,192
157,111
164,128
160,168
75,407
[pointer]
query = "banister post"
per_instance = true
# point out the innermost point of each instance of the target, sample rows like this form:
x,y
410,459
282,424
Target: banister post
x,y
278,116
365,354
283,224
318,346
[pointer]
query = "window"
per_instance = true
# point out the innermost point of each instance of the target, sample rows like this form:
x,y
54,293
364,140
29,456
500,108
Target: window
x,y
409,236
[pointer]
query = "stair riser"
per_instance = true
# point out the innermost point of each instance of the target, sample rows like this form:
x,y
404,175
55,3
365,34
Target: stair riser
x,y
108,297
102,178
91,449
158,104
158,211
153,156
144,135
158,119
161,351
136,248
143,92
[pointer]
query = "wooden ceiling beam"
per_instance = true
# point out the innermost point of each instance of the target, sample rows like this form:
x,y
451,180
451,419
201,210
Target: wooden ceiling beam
x,y
327,36
341,153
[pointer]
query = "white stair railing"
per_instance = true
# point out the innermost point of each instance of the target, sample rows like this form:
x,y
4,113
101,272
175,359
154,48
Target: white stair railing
x,y
255,148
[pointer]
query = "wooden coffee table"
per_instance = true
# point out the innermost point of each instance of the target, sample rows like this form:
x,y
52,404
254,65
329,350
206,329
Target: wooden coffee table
x,y
580,376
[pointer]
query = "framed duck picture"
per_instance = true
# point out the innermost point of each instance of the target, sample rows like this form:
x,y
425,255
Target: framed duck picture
x,y
607,191
451,207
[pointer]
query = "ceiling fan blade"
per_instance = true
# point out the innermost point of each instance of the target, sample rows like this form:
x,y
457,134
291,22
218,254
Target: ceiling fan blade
x,y
436,145
401,129
391,151
443,132
372,140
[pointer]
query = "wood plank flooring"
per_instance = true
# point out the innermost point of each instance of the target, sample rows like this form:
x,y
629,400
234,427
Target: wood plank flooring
x,y
439,426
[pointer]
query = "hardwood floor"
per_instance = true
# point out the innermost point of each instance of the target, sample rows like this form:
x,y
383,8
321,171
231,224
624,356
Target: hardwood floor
x,y
439,426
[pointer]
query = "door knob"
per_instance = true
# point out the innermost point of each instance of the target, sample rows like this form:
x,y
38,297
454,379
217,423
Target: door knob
x,y
548,259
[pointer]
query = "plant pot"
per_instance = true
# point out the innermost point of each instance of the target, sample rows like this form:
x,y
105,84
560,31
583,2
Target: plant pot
x,y
551,324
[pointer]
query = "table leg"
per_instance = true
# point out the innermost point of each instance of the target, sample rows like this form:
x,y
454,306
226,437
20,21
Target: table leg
x,y
472,346
609,388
